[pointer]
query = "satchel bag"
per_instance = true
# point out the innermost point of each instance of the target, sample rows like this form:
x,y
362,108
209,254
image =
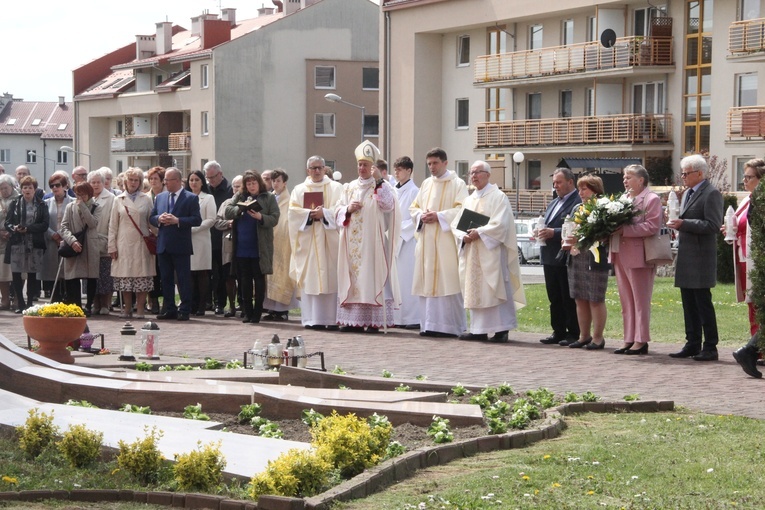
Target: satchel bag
x,y
66,250
150,240
658,248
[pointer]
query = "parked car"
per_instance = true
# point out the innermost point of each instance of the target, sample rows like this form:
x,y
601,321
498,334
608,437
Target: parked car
x,y
527,245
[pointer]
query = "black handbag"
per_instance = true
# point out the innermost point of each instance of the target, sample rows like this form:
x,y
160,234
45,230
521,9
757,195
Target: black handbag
x,y
66,250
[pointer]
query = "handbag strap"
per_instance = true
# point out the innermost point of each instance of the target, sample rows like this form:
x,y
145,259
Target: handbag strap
x,y
134,223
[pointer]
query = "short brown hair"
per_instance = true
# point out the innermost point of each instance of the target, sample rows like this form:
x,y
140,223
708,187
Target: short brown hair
x,y
84,187
253,175
758,165
59,176
28,180
156,170
591,182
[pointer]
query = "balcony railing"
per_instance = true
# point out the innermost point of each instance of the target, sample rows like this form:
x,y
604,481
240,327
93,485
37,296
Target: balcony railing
x,y
746,123
179,141
746,37
576,58
139,143
601,130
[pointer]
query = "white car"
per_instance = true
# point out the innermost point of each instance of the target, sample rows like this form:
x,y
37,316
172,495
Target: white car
x,y
527,246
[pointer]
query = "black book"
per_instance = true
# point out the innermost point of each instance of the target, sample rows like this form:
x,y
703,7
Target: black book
x,y
471,219
250,205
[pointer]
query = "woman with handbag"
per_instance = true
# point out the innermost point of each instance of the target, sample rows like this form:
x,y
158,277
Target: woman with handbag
x,y
59,185
133,265
81,218
635,276
27,222
588,278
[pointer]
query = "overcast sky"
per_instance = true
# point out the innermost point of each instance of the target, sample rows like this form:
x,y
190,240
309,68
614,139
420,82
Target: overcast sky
x,y
44,40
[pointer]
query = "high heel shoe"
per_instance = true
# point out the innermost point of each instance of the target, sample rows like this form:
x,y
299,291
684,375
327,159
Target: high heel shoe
x,y
624,348
642,350
592,346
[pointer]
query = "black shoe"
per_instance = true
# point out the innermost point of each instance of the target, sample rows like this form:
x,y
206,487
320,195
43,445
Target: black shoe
x,y
747,358
567,341
200,313
351,329
167,316
579,344
154,309
333,327
183,317
19,310
684,353
412,326
470,336
314,326
706,356
437,334
550,340
625,348
372,330
246,320
592,346
641,350
219,311
230,313
500,337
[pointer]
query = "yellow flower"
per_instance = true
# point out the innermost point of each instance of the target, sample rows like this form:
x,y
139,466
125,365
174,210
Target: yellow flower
x,y
546,457
556,484
526,477
10,480
590,493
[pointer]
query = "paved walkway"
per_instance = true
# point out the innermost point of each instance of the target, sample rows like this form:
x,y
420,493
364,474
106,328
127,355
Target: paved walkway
x,y
717,387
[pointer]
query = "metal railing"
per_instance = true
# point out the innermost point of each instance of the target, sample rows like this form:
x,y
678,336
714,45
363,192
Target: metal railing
x,y
746,122
746,37
139,143
575,58
599,130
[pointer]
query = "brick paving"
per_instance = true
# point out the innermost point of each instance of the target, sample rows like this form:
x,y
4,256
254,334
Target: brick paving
x,y
716,387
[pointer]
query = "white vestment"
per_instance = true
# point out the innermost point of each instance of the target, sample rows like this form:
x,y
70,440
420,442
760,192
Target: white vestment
x,y
409,311
436,263
280,287
313,264
490,275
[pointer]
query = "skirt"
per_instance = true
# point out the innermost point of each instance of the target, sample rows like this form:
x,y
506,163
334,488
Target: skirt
x,y
25,259
133,283
586,280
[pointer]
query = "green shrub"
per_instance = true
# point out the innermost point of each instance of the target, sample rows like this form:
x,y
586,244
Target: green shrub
x,y
460,390
212,364
142,366
296,473
142,458
571,397
194,412
402,387
200,469
439,430
505,389
349,443
589,396
394,449
37,432
542,397
81,446
234,364
248,412
387,374
132,408
311,417
80,403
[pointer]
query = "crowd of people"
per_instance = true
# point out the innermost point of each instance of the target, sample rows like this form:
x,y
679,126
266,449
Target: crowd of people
x,y
375,253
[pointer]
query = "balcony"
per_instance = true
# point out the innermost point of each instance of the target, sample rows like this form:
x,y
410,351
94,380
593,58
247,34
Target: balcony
x,y
624,129
747,39
139,143
746,123
562,61
179,142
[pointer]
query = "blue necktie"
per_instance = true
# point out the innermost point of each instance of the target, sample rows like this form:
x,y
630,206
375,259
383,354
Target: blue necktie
x,y
172,202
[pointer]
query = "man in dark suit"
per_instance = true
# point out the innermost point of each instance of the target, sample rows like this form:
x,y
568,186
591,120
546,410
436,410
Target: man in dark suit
x,y
701,214
562,306
175,212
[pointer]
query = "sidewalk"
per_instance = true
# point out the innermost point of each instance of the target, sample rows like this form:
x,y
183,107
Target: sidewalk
x,y
717,387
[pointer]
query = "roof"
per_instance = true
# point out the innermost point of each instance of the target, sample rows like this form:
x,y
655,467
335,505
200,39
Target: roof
x,y
49,120
598,162
115,83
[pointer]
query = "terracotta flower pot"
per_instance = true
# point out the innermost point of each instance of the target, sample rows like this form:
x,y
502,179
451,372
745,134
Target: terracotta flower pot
x,y
54,334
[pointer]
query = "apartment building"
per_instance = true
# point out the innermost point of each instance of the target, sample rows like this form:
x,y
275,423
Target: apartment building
x,y
247,93
591,85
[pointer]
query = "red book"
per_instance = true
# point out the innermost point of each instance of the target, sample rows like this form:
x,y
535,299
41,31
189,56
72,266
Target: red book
x,y
313,199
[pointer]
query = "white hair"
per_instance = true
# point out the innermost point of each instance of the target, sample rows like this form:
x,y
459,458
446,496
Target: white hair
x,y
484,165
696,162
97,174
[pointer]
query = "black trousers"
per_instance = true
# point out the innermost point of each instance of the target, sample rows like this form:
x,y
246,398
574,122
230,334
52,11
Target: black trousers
x,y
699,315
73,292
562,306
248,273
218,280
33,288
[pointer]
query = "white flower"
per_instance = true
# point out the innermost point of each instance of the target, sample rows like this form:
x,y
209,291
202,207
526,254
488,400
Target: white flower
x,y
625,198
710,470
615,207
592,218
602,201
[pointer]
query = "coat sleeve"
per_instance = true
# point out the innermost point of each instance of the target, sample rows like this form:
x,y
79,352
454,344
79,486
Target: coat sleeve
x,y
650,222
270,212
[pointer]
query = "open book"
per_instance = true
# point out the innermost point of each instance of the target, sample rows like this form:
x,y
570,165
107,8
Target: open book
x,y
250,205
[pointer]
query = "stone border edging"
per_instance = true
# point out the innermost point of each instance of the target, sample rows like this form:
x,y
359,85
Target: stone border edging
x,y
370,481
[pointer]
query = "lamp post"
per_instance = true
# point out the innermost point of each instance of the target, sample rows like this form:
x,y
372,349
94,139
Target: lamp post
x,y
334,98
45,168
70,149
518,158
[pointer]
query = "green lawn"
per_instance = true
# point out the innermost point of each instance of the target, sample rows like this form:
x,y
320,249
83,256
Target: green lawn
x,y
666,313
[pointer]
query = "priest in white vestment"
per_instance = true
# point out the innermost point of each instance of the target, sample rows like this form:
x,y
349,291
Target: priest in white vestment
x,y
436,266
280,287
313,265
369,221
490,275
408,314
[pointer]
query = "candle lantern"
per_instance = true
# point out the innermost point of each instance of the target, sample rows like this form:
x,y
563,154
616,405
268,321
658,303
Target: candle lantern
x,y
150,341
127,338
730,224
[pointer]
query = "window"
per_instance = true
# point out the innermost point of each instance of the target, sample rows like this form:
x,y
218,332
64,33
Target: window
x,y
642,19
566,98
329,163
205,123
749,9
535,37
740,160
567,32
62,157
36,122
463,50
533,174
324,124
589,102
62,127
462,168
592,28
31,156
204,76
371,125
324,77
371,78
746,89
159,79
463,114
697,96
10,122
119,128
5,155
534,106
648,98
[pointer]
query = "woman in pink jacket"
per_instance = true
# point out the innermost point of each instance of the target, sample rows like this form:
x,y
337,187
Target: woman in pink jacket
x,y
634,277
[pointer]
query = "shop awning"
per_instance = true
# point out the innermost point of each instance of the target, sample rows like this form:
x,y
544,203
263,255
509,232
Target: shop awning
x,y
598,162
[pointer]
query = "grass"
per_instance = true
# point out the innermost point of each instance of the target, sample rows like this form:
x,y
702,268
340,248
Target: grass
x,y
635,461
666,313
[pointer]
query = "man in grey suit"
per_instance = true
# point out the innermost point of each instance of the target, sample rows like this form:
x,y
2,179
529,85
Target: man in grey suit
x,y
563,317
701,215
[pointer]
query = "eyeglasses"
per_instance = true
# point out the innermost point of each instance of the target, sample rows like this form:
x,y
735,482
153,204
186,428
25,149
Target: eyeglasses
x,y
56,185
749,177
476,172
79,175
686,174
316,168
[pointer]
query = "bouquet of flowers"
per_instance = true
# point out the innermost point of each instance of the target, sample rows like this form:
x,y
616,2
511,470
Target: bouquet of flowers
x,y
54,310
598,218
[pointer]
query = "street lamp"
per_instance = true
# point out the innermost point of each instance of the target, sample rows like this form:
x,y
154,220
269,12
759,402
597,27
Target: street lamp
x,y
518,158
70,149
33,153
334,98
